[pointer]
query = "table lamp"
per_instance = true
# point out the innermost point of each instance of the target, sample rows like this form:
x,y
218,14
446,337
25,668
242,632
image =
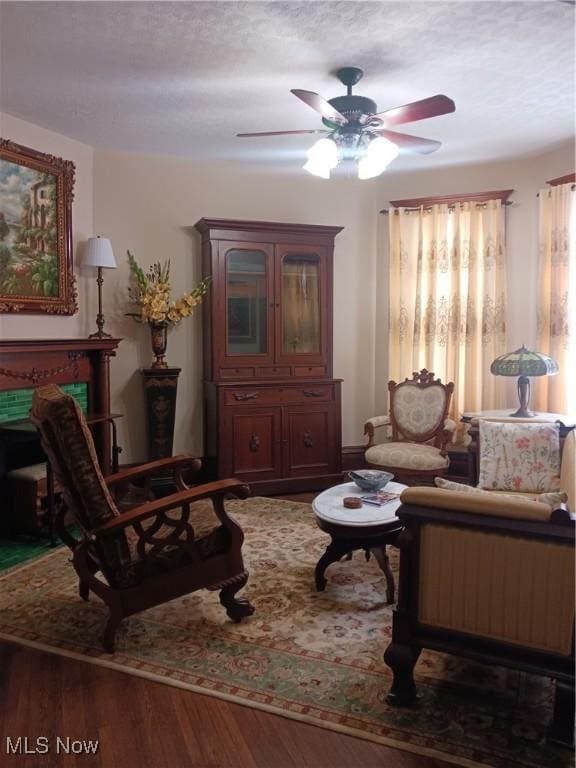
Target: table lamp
x,y
99,254
524,363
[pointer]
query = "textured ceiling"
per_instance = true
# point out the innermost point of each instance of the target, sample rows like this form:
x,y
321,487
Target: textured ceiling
x,y
183,78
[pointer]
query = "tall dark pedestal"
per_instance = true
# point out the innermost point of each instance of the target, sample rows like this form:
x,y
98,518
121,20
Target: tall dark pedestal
x,y
160,387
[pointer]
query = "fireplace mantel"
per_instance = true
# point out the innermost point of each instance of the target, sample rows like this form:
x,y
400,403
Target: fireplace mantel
x,y
29,363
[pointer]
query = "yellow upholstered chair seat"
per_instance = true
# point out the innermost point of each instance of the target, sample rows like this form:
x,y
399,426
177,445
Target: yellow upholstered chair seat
x,y
407,456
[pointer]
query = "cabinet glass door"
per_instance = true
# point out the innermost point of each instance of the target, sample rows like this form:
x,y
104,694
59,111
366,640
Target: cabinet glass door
x,y
247,288
301,302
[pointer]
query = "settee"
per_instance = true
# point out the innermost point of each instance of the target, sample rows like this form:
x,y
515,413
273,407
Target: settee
x,y
490,578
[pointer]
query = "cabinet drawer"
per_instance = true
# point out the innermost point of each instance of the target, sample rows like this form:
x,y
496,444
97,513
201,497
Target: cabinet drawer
x,y
236,373
273,371
311,394
278,395
253,396
309,370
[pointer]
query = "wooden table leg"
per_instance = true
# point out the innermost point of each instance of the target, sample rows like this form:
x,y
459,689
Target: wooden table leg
x,y
334,551
384,563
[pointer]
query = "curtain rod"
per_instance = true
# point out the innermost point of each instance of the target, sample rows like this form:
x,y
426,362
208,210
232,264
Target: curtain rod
x,y
572,188
450,207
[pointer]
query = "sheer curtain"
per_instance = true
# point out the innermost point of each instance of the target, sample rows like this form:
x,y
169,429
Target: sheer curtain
x,y
557,300
448,298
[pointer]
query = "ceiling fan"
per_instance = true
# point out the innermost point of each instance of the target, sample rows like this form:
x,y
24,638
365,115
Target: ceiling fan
x,y
355,130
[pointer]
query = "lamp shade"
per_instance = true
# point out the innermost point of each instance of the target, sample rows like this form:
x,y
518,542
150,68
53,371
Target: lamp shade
x,y
322,157
99,253
523,362
378,157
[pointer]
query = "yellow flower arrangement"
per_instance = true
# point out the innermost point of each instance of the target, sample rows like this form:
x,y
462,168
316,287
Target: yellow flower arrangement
x,y
152,293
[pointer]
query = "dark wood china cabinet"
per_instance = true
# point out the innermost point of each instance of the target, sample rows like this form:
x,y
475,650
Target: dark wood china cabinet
x,y
272,413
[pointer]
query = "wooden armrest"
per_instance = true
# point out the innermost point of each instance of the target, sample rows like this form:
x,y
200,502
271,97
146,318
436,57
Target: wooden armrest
x,y
177,463
218,489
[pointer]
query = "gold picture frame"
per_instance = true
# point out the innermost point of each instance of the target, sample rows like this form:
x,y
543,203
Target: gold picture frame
x,y
36,268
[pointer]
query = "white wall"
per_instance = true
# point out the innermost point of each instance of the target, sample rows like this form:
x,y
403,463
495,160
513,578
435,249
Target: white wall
x,y
13,326
149,204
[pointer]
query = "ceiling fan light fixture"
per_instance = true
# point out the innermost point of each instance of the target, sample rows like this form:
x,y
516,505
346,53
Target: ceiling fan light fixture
x,y
322,158
359,132
379,154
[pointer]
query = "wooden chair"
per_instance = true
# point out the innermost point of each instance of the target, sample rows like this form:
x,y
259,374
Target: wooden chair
x,y
490,579
137,557
418,418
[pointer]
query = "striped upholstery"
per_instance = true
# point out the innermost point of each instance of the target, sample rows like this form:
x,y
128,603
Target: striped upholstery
x,y
497,586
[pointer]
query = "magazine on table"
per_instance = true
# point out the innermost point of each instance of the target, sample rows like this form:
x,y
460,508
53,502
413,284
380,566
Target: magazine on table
x,y
380,498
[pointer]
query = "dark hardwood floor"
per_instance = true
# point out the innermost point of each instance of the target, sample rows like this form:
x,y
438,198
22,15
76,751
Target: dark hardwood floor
x,y
142,724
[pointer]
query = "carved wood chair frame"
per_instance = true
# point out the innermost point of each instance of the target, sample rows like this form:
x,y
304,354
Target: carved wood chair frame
x,y
421,380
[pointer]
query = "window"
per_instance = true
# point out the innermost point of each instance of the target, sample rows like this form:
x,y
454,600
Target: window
x,y
448,294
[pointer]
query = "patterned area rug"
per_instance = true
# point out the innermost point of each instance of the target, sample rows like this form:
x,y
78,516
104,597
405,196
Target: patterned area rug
x,y
315,657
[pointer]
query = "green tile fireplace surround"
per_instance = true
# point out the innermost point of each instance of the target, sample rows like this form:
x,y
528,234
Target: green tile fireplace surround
x,y
15,404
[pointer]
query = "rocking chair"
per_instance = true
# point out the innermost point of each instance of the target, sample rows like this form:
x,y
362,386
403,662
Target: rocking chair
x,y
139,557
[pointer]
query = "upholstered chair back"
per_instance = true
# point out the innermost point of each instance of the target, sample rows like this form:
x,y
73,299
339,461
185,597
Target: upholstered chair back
x,y
467,568
68,444
490,582
419,407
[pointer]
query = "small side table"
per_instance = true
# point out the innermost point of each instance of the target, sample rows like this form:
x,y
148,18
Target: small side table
x,y
369,528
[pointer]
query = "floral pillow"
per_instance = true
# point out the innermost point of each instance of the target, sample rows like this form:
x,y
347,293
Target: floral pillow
x,y
519,457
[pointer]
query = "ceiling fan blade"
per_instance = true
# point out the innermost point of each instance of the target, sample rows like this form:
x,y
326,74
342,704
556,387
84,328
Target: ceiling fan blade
x,y
278,133
409,143
417,110
320,104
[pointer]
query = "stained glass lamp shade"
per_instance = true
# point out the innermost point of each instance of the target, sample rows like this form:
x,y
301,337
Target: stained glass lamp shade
x,y
524,363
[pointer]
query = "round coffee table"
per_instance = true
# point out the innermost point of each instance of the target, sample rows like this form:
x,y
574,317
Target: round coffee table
x,y
369,528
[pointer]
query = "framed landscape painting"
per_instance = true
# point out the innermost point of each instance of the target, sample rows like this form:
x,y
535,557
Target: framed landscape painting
x,y
36,193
